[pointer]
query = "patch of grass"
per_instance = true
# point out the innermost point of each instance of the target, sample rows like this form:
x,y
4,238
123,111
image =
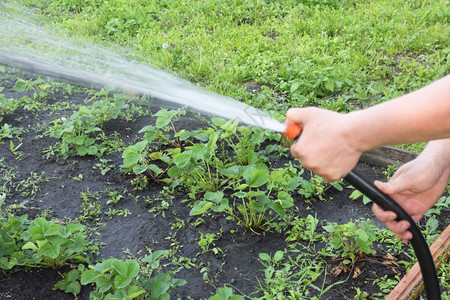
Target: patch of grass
x,y
364,51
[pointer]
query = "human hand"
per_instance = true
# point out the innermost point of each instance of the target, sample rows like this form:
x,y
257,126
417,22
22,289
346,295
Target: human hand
x,y
416,186
326,143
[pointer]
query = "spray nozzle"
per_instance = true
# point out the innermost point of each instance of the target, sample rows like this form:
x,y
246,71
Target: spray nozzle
x,y
293,131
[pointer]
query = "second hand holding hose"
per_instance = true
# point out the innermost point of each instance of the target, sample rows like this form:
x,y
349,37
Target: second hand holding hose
x,y
418,242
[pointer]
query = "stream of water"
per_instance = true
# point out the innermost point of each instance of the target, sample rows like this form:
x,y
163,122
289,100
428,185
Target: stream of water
x,y
29,43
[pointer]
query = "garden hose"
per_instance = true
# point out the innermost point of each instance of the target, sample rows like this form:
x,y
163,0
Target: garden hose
x,y
418,242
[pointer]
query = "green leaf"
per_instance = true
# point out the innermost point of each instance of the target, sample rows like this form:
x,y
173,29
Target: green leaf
x,y
89,276
73,287
294,86
182,159
278,256
224,293
163,119
257,178
329,85
134,292
264,256
200,207
285,199
278,208
215,197
30,246
82,151
130,158
230,126
139,169
20,86
200,151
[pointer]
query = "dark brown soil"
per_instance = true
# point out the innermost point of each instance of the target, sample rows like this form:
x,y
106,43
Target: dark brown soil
x,y
238,267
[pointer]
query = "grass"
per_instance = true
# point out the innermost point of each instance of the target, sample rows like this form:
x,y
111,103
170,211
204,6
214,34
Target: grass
x,y
383,48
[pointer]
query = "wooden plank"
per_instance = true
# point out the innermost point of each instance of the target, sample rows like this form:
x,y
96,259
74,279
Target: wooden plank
x,y
411,286
385,156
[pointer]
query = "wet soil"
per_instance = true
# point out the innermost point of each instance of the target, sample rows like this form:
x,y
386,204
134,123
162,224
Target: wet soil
x,y
238,266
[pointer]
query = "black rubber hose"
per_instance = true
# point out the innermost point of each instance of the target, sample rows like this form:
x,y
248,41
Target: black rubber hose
x,y
420,246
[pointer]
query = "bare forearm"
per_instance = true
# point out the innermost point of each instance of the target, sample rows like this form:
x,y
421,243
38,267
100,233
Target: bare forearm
x,y
422,115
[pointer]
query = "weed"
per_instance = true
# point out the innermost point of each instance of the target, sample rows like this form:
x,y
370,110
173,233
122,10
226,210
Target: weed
x,y
352,240
7,176
104,166
207,241
31,186
290,277
304,229
8,132
390,170
118,212
91,209
386,284
115,197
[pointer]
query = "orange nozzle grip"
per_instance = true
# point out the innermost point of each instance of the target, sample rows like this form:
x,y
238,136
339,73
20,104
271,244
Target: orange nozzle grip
x,y
293,131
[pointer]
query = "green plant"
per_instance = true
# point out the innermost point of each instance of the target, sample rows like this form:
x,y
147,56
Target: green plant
x,y
225,293
316,187
352,240
304,81
104,166
71,281
161,285
291,277
8,132
7,106
207,241
39,87
91,209
53,244
30,186
115,197
7,176
81,132
11,229
304,229
112,279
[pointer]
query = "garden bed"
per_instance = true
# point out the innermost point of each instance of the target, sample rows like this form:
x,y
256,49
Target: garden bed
x,y
206,246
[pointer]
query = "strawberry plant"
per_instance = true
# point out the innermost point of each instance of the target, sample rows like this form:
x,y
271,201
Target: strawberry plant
x,y
39,87
71,281
198,166
80,133
7,106
145,157
11,228
54,245
225,293
165,124
112,279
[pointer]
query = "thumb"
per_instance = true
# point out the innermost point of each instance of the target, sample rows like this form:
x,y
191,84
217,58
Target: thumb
x,y
393,186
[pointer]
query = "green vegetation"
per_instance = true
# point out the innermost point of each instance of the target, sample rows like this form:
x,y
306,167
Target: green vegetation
x,y
330,53
222,181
